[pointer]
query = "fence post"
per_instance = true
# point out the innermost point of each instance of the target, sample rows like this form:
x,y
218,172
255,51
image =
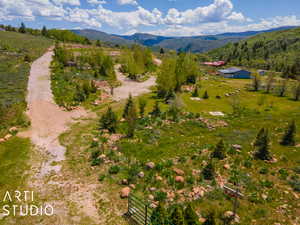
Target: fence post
x,y
146,214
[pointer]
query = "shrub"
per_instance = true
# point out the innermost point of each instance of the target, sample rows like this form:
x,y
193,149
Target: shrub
x,y
205,95
208,172
288,138
160,196
177,216
295,183
219,151
159,216
190,217
109,121
264,170
96,162
283,173
114,169
156,112
142,106
101,177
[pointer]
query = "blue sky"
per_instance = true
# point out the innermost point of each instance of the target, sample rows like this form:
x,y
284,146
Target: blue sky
x,y
163,17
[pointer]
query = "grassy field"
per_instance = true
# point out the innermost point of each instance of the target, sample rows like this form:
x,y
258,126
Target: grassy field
x,y
270,189
16,53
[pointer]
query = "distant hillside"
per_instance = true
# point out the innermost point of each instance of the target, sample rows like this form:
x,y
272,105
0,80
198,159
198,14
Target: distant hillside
x,y
277,50
193,44
102,36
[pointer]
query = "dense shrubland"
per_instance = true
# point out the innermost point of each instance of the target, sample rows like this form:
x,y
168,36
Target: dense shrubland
x,y
278,51
74,73
137,62
176,71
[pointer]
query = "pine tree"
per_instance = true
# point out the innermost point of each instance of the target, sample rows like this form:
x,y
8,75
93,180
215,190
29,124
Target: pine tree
x,y
156,112
109,121
257,141
159,215
219,151
262,146
210,220
44,31
190,216
205,96
22,29
98,43
162,51
131,120
208,171
142,106
129,103
195,93
177,216
288,138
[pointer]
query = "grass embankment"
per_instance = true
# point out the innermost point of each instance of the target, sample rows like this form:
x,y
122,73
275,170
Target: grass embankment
x,y
16,53
270,189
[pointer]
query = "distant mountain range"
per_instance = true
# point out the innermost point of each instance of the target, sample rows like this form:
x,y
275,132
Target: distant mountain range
x,y
193,44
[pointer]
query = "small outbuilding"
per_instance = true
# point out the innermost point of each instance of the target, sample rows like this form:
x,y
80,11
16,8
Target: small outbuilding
x,y
236,73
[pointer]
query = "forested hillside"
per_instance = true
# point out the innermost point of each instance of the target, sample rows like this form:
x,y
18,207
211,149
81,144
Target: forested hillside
x,y
277,51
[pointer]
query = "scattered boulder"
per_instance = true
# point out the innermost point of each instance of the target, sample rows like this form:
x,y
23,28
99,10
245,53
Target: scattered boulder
x,y
125,192
7,137
179,179
202,220
151,197
150,165
2,140
230,214
124,182
179,172
237,147
13,130
152,189
159,178
226,166
141,174
132,186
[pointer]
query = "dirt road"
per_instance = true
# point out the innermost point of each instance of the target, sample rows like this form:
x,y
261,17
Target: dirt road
x,y
131,87
48,120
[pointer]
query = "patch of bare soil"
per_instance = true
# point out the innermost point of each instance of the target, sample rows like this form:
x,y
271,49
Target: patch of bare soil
x,y
131,87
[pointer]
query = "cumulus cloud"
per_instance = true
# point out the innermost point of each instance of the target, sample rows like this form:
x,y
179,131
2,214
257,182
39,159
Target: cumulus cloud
x,y
96,2
127,2
67,2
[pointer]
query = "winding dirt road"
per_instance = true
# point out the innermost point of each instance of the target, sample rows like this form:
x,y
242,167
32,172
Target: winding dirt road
x,y
48,120
131,87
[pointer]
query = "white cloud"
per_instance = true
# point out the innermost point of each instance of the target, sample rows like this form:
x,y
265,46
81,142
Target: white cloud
x,y
96,2
67,2
127,2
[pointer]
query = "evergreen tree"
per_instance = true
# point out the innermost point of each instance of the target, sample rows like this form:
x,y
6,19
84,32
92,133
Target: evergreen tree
x,y
208,171
262,145
156,112
210,220
109,121
190,216
131,119
195,93
259,137
142,106
283,88
177,216
219,151
22,29
162,51
98,43
44,31
205,96
288,138
129,103
159,216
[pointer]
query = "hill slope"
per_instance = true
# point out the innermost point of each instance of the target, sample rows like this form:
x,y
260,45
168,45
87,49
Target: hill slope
x,y
193,43
278,50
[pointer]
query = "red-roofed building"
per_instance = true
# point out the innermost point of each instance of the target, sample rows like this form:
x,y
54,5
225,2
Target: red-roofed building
x,y
216,64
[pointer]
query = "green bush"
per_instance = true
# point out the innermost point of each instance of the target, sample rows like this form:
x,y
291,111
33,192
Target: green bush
x,y
114,169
